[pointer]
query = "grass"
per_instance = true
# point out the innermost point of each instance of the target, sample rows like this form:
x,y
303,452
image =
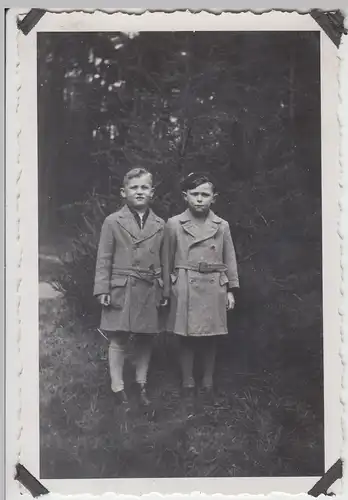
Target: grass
x,y
264,423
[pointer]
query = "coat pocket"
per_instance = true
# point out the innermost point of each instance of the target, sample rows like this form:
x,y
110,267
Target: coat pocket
x,y
223,279
118,291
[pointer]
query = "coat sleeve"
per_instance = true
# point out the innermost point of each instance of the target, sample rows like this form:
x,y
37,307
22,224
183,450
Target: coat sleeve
x,y
168,257
229,257
104,260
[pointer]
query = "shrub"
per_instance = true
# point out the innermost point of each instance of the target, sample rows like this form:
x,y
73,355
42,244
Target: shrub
x,y
76,277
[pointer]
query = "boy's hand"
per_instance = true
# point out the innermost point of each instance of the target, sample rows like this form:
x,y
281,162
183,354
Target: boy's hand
x,y
104,299
230,301
164,302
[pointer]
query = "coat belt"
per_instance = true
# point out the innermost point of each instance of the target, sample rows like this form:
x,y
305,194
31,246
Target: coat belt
x,y
148,275
203,267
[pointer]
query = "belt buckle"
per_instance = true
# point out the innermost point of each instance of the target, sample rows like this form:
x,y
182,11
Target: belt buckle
x,y
203,267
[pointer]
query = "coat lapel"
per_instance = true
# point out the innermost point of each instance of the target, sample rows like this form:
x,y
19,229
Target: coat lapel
x,y
127,221
151,227
200,233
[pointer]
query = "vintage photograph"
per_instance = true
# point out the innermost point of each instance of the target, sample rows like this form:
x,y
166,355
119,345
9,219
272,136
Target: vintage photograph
x,y
180,254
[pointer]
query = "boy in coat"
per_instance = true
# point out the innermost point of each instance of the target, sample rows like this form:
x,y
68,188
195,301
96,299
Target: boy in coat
x,y
200,273
128,280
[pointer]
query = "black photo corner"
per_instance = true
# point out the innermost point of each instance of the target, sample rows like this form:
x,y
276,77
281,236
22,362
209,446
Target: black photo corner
x,y
62,194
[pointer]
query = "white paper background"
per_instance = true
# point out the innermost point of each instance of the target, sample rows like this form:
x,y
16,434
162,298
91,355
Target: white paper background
x,y
21,195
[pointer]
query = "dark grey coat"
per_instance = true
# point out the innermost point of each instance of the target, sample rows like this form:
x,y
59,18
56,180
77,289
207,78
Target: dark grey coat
x,y
198,301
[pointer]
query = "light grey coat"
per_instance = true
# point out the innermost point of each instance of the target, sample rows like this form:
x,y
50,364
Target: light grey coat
x,y
124,247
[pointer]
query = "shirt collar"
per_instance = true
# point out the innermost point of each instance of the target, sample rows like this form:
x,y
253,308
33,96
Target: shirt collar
x,y
140,219
135,212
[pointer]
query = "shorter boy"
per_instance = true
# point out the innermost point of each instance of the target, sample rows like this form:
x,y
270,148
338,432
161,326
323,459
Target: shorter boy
x,y
128,280
200,273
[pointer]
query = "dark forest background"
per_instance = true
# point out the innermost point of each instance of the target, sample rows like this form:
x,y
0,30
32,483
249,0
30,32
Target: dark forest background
x,y
246,108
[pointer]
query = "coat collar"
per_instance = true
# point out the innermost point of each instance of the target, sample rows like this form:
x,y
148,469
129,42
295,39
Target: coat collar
x,y
200,233
126,219
187,216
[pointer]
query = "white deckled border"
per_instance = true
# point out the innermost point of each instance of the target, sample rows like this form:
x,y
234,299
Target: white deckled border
x,y
13,367
20,399
343,231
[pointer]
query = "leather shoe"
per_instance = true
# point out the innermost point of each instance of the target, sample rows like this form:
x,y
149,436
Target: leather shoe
x,y
144,400
188,392
207,394
121,398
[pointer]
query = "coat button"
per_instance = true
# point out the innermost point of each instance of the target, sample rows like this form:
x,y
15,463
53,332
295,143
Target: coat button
x,y
212,280
192,280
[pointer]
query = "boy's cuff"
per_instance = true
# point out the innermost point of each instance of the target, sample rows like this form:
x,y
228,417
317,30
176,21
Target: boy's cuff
x,y
100,291
232,285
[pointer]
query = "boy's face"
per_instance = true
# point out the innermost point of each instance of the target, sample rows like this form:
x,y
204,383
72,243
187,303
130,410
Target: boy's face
x,y
200,198
138,192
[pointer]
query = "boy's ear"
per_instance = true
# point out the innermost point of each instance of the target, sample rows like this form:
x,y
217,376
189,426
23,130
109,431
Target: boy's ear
x,y
123,194
184,194
214,197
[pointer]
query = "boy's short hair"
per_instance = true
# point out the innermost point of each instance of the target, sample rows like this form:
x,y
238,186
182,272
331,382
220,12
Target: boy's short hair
x,y
136,172
195,179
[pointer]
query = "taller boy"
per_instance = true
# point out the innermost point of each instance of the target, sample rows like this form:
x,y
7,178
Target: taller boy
x,y
128,280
